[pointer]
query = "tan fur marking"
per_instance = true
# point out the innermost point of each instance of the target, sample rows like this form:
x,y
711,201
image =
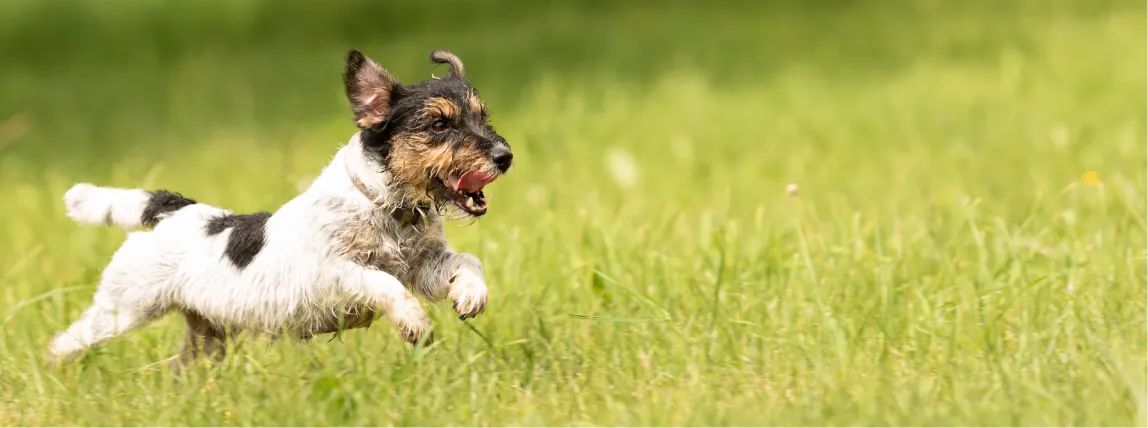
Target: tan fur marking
x,y
442,107
470,158
417,163
474,102
413,160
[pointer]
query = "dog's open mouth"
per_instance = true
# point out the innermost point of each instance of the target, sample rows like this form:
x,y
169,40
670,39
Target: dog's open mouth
x,y
465,191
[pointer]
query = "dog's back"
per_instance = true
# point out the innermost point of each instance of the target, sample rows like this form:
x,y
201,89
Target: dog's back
x,y
207,257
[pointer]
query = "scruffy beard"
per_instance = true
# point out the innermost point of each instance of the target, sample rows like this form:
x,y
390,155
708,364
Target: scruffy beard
x,y
426,200
449,180
457,196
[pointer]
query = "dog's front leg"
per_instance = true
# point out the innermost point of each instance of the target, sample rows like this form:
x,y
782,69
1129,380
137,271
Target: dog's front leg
x,y
384,291
456,275
466,286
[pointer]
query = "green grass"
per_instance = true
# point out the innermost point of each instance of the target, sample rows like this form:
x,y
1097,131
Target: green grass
x,y
968,246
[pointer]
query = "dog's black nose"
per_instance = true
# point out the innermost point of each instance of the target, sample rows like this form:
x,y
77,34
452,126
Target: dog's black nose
x,y
502,157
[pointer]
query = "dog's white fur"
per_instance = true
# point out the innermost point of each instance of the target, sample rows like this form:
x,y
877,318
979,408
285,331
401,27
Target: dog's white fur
x,y
303,280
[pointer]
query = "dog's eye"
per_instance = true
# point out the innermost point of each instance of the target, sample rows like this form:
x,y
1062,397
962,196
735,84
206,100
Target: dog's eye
x,y
438,126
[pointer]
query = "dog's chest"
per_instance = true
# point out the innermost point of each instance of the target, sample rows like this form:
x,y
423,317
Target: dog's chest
x,y
373,238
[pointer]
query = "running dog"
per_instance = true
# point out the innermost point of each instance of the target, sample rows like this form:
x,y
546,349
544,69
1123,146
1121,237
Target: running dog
x,y
362,238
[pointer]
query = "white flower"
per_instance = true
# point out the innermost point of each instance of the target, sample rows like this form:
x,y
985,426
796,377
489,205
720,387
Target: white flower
x,y
622,167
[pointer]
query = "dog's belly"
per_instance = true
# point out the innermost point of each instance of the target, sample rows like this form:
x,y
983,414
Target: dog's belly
x,y
354,316
303,297
287,287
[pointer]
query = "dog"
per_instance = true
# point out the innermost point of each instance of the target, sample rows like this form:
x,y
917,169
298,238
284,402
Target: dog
x,y
366,236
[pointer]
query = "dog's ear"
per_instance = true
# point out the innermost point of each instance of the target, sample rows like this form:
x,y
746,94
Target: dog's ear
x,y
369,89
445,57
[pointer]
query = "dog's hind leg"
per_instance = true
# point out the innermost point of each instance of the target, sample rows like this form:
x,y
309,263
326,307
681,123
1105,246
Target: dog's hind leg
x,y
102,321
130,294
203,339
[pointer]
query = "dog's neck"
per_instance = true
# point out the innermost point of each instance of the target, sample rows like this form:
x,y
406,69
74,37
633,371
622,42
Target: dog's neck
x,y
360,173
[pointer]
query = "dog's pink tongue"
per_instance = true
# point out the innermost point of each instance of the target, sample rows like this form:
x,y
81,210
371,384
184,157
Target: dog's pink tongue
x,y
473,182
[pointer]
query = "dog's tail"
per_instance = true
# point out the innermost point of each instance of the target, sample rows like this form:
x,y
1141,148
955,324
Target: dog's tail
x,y
126,208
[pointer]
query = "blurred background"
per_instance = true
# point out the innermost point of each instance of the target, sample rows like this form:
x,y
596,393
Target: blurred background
x,y
968,228
87,84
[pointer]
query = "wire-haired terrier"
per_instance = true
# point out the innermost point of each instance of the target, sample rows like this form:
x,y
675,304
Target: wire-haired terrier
x,y
366,234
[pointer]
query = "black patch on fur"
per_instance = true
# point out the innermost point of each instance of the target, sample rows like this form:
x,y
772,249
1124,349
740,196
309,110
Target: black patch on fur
x,y
248,235
377,141
162,202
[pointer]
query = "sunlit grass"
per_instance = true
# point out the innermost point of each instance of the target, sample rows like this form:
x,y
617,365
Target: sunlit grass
x,y
967,247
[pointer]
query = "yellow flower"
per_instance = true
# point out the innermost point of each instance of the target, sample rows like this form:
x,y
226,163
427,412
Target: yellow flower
x,y
1090,178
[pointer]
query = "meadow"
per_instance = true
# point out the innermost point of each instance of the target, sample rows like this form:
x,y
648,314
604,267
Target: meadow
x,y
758,213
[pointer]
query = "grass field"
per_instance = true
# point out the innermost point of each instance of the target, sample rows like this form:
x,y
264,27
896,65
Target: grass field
x,y
968,245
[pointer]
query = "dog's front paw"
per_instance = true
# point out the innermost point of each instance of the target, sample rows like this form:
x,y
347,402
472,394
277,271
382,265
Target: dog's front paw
x,y
468,292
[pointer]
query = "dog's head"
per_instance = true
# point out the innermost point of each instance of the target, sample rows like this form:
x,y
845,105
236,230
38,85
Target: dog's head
x,y
432,137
